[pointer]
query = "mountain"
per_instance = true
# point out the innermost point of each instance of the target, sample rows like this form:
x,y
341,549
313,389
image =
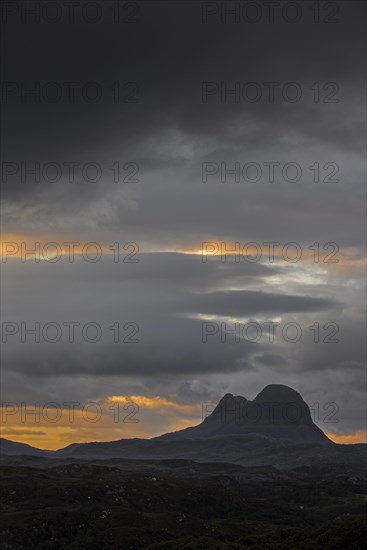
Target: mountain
x,y
275,429
8,447
278,412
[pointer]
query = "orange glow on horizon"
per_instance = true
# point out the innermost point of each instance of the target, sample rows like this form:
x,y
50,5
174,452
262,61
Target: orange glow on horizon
x,y
156,403
123,417
117,417
360,436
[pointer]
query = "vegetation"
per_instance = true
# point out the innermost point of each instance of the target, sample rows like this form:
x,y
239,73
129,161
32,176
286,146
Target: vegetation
x,y
180,505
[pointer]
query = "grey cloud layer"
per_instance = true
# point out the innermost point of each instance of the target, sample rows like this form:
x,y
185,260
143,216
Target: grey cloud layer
x,y
171,353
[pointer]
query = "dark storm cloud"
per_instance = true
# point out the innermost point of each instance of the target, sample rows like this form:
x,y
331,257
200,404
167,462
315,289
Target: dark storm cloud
x,y
170,80
169,133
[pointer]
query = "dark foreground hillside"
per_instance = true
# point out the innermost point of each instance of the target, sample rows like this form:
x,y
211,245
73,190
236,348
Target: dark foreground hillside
x,y
178,504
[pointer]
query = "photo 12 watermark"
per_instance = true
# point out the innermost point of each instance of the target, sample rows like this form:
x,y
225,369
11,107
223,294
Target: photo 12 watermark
x,y
52,332
238,411
68,251
69,93
269,332
245,12
70,171
69,411
73,12
269,172
291,92
270,251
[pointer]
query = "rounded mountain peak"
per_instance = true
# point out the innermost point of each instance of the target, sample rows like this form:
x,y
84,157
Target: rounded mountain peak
x,y
278,392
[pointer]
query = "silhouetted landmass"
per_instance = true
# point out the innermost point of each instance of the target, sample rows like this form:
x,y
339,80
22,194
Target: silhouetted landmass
x,y
121,504
229,483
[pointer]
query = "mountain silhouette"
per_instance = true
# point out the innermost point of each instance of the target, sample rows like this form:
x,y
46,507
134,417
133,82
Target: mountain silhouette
x,y
277,412
13,448
275,428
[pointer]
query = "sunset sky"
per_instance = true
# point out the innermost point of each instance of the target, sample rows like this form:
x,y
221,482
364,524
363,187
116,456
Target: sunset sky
x,y
182,155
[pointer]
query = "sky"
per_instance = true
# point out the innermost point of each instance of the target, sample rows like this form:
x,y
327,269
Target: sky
x,y
190,177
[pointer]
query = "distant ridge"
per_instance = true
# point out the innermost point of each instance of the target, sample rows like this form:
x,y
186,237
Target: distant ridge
x,y
14,448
